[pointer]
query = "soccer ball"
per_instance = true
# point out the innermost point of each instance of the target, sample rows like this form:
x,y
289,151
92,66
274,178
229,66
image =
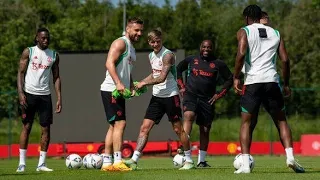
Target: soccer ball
x,y
92,161
237,163
178,160
96,161
73,161
101,155
86,160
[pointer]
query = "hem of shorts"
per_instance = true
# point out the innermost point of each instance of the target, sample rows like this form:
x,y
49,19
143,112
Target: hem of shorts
x,y
37,93
105,90
165,96
261,82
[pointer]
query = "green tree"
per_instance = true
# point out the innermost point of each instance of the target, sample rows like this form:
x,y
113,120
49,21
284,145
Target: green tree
x,y
303,44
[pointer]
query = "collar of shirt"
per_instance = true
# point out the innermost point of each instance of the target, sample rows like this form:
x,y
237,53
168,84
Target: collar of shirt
x,y
209,58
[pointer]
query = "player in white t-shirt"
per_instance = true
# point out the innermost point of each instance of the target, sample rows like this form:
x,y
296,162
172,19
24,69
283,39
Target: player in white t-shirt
x,y
119,63
165,98
36,65
258,47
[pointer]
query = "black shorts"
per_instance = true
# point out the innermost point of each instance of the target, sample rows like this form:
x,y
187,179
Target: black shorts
x,y
38,103
159,106
269,94
115,108
200,106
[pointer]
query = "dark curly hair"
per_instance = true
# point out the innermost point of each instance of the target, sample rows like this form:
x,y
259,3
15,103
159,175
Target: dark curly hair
x,y
253,12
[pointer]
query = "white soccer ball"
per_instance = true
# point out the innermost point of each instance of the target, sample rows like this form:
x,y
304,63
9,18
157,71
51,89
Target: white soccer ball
x,y
96,161
92,161
101,155
238,162
178,160
73,161
86,159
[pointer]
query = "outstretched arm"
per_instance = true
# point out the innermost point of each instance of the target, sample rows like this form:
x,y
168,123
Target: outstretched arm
x,y
168,61
148,78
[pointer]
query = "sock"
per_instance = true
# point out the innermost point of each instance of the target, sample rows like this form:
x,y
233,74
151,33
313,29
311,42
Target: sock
x,y
187,155
107,159
117,157
245,160
42,158
22,154
289,152
202,156
136,155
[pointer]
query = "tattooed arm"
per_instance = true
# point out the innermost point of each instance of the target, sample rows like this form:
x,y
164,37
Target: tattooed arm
x,y
168,61
23,64
57,83
148,78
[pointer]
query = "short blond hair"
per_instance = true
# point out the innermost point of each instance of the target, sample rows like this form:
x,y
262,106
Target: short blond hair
x,y
155,33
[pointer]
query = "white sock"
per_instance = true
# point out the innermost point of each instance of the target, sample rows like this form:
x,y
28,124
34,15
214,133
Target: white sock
x,y
117,157
187,155
22,154
202,156
107,159
42,158
289,152
136,155
245,160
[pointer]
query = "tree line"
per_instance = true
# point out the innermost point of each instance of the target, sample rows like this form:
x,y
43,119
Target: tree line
x,y
77,25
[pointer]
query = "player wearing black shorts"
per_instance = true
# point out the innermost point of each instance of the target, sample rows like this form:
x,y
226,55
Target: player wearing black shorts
x,y
165,99
36,65
199,93
119,63
258,46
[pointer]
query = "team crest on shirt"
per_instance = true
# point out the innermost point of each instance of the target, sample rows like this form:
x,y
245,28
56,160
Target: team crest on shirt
x,y
212,65
160,63
113,100
195,72
119,113
49,59
130,61
35,57
195,61
184,108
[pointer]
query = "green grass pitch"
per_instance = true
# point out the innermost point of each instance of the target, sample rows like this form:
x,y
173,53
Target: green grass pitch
x,y
154,168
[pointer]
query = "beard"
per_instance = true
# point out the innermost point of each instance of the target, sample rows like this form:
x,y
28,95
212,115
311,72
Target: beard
x,y
134,38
